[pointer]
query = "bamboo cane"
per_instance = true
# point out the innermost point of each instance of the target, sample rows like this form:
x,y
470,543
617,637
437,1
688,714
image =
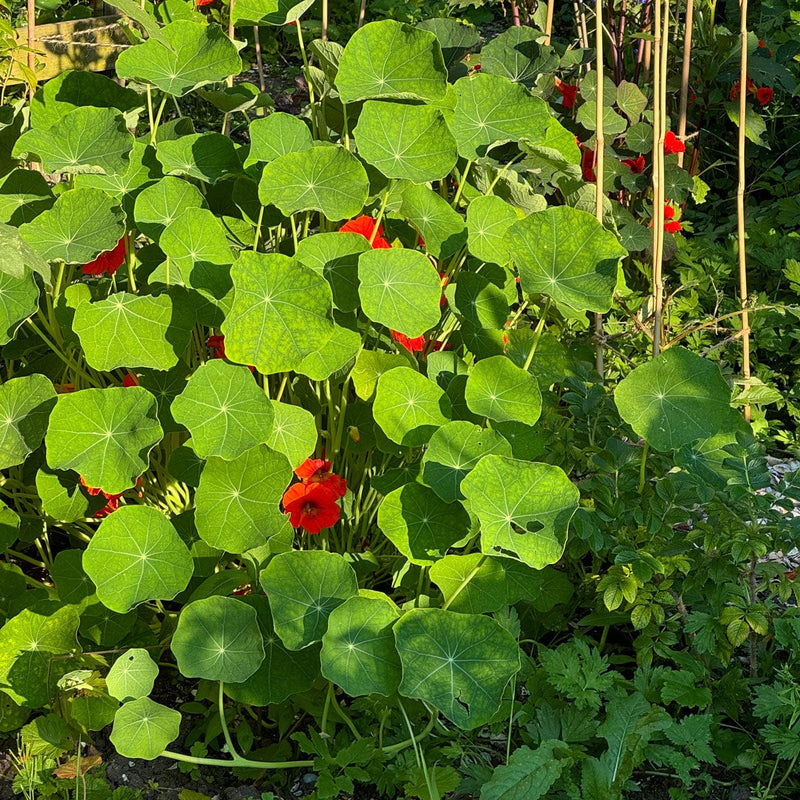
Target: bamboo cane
x,y
31,40
599,163
362,11
687,55
324,20
740,229
548,25
659,122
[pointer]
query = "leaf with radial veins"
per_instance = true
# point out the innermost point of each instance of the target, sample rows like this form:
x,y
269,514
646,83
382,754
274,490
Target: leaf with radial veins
x,y
269,12
407,142
337,354
282,311
442,228
456,38
400,289
87,140
303,587
516,55
326,178
218,639
409,407
136,555
459,663
128,330
276,135
488,220
144,728
224,409
358,651
503,392
675,399
566,254
82,224
420,524
105,435
294,432
19,299
24,193
491,110
25,406
392,60
162,203
237,504
132,675
524,508
186,55
208,157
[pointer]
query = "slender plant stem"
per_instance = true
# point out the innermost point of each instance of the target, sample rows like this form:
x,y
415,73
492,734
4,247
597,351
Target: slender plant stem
x,y
223,722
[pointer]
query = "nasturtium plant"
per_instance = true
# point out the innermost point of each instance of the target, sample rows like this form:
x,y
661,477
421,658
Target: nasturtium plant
x,y
25,405
144,728
132,675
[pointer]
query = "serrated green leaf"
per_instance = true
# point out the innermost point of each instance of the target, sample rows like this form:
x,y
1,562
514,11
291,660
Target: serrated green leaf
x,y
529,774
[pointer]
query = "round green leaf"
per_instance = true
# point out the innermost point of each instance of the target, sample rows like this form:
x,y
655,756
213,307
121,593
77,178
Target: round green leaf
x,y
524,508
402,141
452,453
442,228
269,12
275,136
136,555
72,582
503,392
391,59
19,299
409,407
207,157
132,675
281,312
144,728
62,497
161,204
369,366
25,406
515,54
218,639
566,254
400,289
24,194
184,56
303,588
420,524
488,220
456,38
86,140
282,672
337,354
93,711
224,409
358,650
294,432
142,169
675,399
459,663
105,435
326,178
238,502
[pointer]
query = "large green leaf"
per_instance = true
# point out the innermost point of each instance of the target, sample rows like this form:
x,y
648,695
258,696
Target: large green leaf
x,y
294,432
456,37
25,406
105,435
19,299
442,228
224,409
459,663
503,392
186,55
162,203
303,588
409,407
24,194
488,220
675,399
268,12
391,59
143,168
237,504
63,500
281,312
336,355
566,254
93,140
275,136
327,178
402,141
218,639
400,289
207,156
491,110
144,728
420,524
136,555
358,650
128,330
524,508
515,54
132,675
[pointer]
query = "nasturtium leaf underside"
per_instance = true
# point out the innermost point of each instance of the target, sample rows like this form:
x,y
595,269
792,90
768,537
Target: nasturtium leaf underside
x,y
358,650
275,136
303,588
218,639
566,254
488,220
409,407
144,728
162,203
524,508
392,60
105,435
503,392
136,555
281,312
224,409
459,663
400,289
25,405
456,37
675,399
132,675
294,432
442,228
237,504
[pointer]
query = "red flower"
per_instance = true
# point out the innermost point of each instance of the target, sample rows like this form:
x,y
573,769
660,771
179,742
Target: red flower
x,y
109,262
311,506
365,226
764,95
761,43
670,226
477,68
318,470
113,499
204,2
292,23
217,344
568,93
311,466
415,345
634,164
64,388
587,165
672,144
131,379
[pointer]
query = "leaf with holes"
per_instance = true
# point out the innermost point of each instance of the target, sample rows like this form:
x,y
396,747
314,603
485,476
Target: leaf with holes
x,y
159,205
524,508
294,432
303,587
459,663
503,392
25,406
144,728
132,675
275,136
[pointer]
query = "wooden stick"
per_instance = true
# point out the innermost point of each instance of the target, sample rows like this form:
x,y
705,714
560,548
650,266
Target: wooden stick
x,y
324,20
31,40
740,230
548,25
687,55
226,121
599,164
659,122
515,13
361,13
